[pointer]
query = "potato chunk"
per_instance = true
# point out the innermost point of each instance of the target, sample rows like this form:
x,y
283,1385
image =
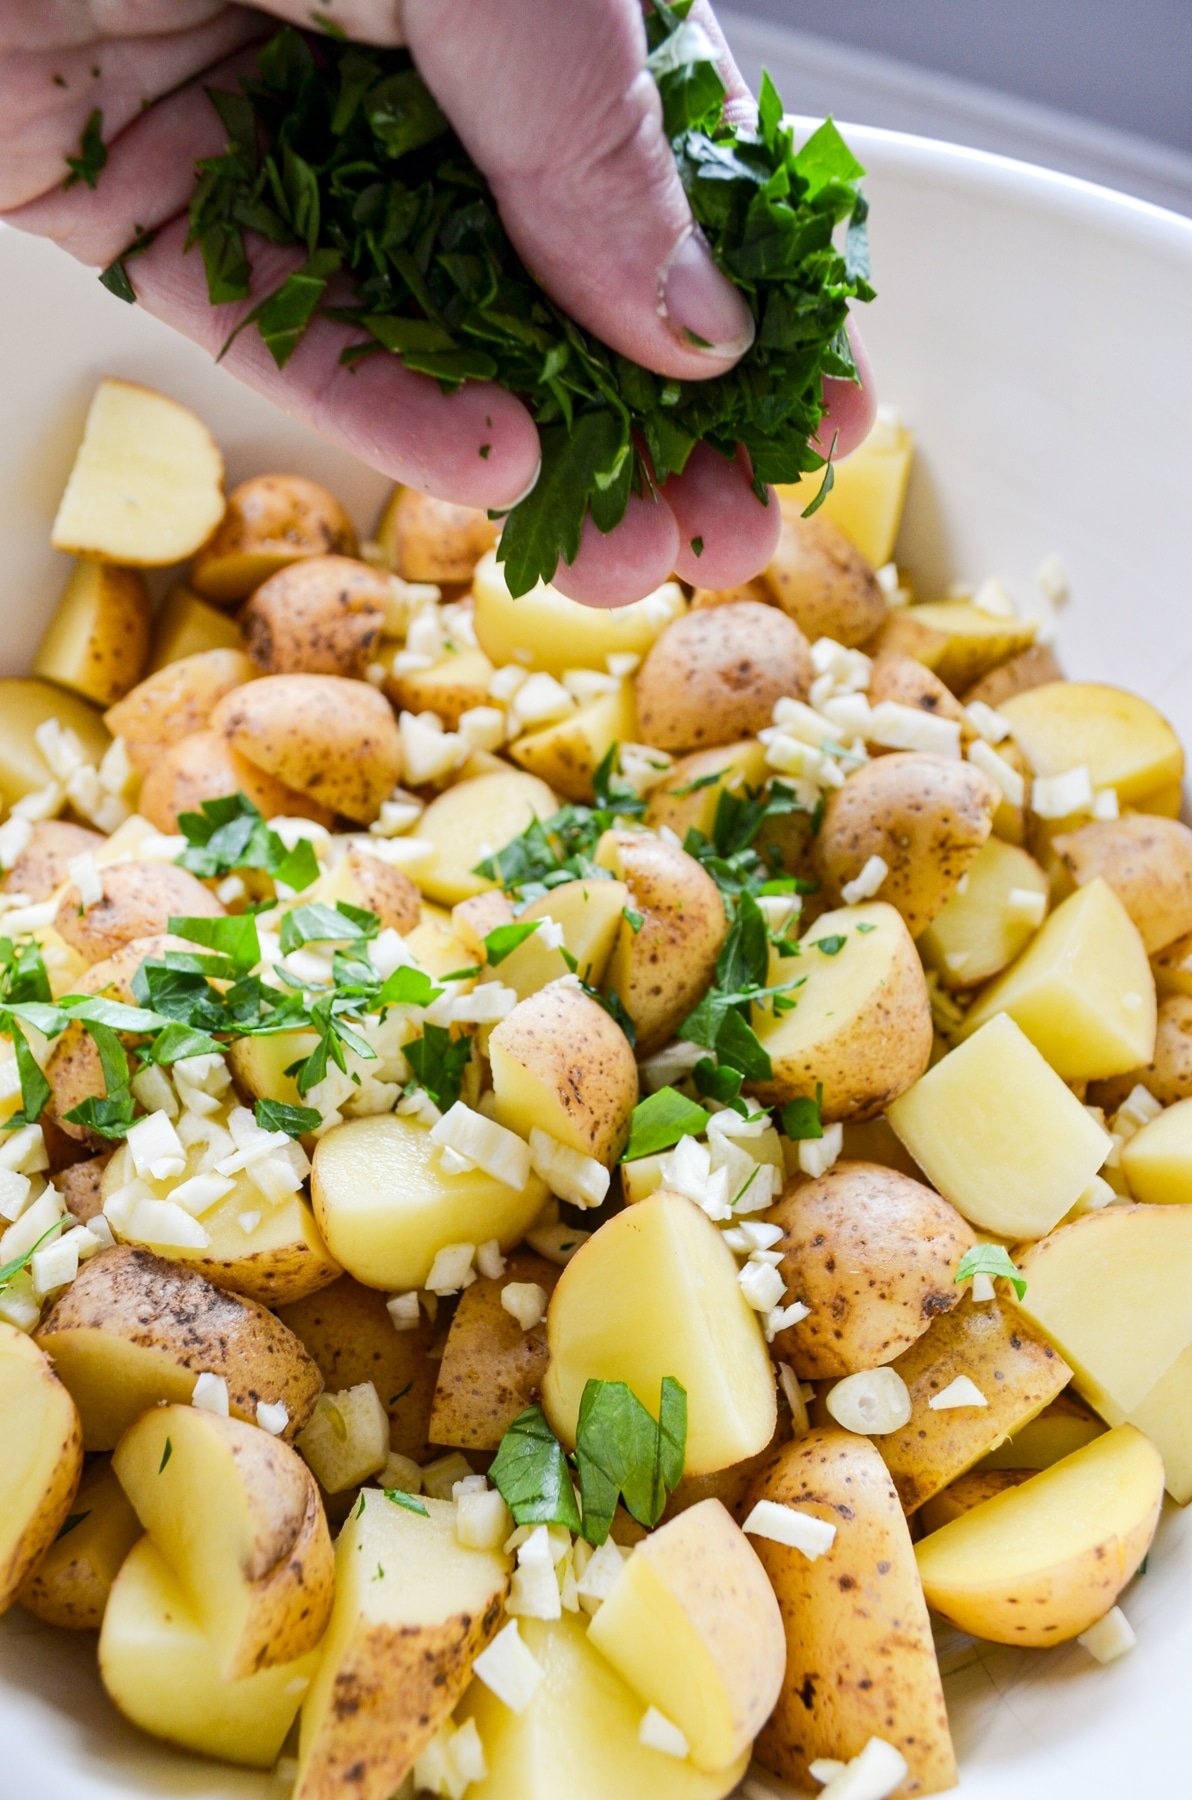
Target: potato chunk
x,y
1042,1562
491,1368
185,626
979,932
320,616
545,630
270,522
24,705
97,643
823,582
1082,991
867,495
713,676
40,1469
1148,864
590,915
654,1292
413,1609
955,639
569,752
172,702
954,1121
1157,1161
1121,739
334,740
472,821
693,1626
71,1583
562,1065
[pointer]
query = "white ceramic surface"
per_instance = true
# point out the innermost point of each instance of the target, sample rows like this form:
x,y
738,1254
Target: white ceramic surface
x,y
1035,332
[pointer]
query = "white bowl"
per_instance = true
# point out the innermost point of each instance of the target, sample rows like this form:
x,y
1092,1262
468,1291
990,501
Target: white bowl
x,y
1029,328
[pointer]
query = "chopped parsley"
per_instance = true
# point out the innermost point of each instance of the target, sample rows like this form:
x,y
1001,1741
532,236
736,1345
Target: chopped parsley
x,y
659,1121
92,156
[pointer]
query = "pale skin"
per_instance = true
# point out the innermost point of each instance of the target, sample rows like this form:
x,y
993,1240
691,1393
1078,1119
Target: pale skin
x,y
556,107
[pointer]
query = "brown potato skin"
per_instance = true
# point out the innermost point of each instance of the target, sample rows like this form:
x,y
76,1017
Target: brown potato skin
x,y
910,683
386,891
317,617
68,1589
926,816
580,1055
966,1492
860,1657
1147,861
139,899
823,583
713,676
434,540
334,740
41,868
874,1256
81,1186
1014,1368
205,767
278,520
44,1526
175,701
491,1369
352,1339
1029,669
1168,1075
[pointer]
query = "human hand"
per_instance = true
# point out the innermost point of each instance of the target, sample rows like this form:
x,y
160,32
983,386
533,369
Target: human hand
x,y
553,103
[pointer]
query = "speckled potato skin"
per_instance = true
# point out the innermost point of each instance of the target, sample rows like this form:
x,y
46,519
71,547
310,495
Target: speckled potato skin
x,y
1168,1076
925,816
50,1415
823,583
170,1311
205,767
386,891
571,1048
1147,862
860,1658
81,1186
270,522
41,868
352,1339
434,540
491,1369
139,899
713,676
967,1491
1029,669
175,701
1016,1370
874,1255
70,1585
660,971
317,617
332,739
910,683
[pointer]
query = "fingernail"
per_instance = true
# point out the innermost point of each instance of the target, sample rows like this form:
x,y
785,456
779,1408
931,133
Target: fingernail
x,y
702,307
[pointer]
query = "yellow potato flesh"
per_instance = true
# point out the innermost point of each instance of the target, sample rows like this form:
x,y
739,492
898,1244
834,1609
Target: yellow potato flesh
x,y
999,1135
590,915
868,490
1166,1418
955,639
186,625
654,1292
568,753
561,1065
147,483
97,642
387,1208
545,630
24,705
1042,1562
449,688
43,1456
70,1585
578,1735
1082,991
975,936
1121,739
161,1671
693,1626
1157,1161
734,766
643,1177
1059,1429
471,822
260,1063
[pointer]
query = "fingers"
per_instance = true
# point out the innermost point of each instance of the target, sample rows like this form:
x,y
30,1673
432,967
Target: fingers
x,y
726,534
364,21
628,563
851,409
478,446
555,105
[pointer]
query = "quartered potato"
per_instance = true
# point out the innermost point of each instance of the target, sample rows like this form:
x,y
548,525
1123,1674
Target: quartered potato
x,y
41,1468
97,643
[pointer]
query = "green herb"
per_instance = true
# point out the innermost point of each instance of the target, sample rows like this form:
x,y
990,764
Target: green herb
x,y
234,937
621,1452
721,1021
438,1062
801,1116
833,944
614,1006
715,1082
230,834
408,986
165,1455
69,1523
659,1121
275,1115
504,940
400,1498
634,919
320,924
115,277
341,151
731,855
866,926
991,1259
532,1475
92,156
10,1270
698,785
697,546
380,1574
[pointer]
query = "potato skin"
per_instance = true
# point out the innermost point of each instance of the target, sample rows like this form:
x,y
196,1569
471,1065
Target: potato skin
x,y
317,617
874,1256
491,1369
714,675
334,740
661,971
203,767
139,899
910,683
81,1186
1147,861
70,1585
175,701
270,521
434,540
384,890
41,868
967,1491
60,1416
925,816
1168,1075
860,1658
823,583
1031,668
569,1047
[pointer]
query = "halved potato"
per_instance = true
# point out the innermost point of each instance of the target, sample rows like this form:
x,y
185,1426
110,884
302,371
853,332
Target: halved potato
x,y
714,675
1040,1563
40,1469
954,638
363,880
590,915
690,792
425,539
70,1585
333,739
545,630
236,1516
204,766
822,580
319,616
561,1064
97,643
867,493
449,688
175,701
472,821
44,863
1157,1161
1029,669
270,521
139,899
966,1492
1146,861
26,704
1066,1424
147,483
1121,739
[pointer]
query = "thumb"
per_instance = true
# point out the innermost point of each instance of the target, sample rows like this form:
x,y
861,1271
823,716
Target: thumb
x,y
554,103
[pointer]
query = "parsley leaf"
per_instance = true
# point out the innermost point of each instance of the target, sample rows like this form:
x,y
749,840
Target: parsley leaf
x,y
504,940
234,937
275,1115
438,1062
801,1116
621,1452
320,924
92,156
991,1259
231,833
659,1121
531,1474
410,1502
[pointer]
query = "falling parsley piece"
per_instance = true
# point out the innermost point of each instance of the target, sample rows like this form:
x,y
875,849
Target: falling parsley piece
x,y
994,1260
165,1455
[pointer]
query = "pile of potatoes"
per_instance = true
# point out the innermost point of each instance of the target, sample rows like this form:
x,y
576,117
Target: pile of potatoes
x,y
249,1441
